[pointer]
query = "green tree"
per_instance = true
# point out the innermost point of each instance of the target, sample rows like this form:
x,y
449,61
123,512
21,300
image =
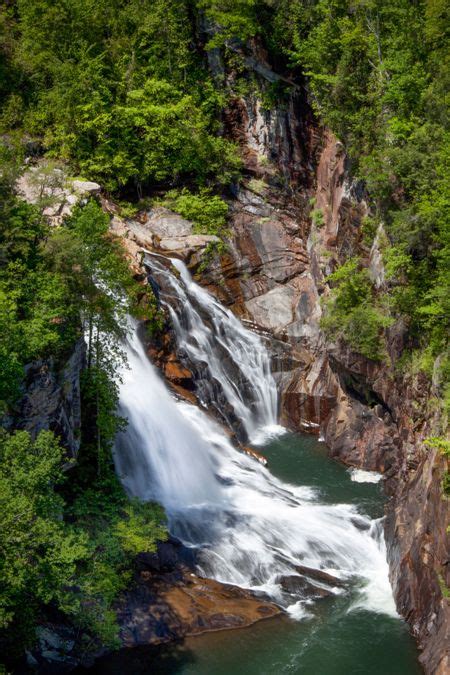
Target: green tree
x,y
39,554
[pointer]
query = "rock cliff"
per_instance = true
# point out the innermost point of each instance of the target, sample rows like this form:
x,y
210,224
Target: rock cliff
x,y
50,399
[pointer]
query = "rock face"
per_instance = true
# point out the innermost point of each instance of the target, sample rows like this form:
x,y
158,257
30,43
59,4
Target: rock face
x,y
297,216
273,276
161,231
51,399
49,186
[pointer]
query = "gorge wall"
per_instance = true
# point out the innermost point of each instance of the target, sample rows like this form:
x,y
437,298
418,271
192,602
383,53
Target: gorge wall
x,y
50,399
369,415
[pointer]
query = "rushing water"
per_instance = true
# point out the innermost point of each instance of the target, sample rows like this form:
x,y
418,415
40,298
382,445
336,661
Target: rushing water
x,y
235,366
250,527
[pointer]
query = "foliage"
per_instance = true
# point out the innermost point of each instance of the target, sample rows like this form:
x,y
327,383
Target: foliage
x,y
76,556
378,74
39,552
351,311
117,530
317,217
231,19
115,88
443,445
54,281
208,212
70,548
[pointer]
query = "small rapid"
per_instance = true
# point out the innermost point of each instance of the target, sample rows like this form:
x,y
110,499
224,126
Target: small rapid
x,y
248,527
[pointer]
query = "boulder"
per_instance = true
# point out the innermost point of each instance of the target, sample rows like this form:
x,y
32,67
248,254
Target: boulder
x,y
170,601
49,186
167,224
182,244
321,576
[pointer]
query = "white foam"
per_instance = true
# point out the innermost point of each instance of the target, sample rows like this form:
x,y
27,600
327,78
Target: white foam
x,y
298,611
267,433
361,476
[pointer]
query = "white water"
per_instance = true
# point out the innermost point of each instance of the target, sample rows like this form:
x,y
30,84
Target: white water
x,y
249,527
361,476
215,342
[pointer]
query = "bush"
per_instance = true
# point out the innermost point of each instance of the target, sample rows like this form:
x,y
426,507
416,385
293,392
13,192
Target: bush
x,y
207,211
351,312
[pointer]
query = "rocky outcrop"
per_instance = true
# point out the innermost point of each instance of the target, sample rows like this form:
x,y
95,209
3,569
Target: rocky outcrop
x,y
160,231
167,602
170,601
51,399
380,423
49,186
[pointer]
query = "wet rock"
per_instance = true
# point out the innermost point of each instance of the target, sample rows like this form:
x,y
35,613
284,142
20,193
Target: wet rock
x,y
177,373
309,394
320,576
251,452
170,602
302,587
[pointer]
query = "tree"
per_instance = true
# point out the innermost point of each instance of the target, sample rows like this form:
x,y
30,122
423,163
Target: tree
x,y
39,553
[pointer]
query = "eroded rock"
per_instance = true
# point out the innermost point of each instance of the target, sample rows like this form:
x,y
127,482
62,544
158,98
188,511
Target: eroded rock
x,y
170,601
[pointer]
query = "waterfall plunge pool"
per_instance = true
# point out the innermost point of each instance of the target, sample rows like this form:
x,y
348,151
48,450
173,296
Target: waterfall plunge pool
x,y
333,641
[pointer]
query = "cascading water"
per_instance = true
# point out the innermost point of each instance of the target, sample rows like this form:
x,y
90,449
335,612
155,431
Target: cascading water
x,y
249,528
233,358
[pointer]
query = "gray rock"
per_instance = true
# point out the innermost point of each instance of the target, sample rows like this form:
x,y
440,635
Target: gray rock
x,y
302,587
273,310
86,187
192,241
376,266
51,399
49,187
167,225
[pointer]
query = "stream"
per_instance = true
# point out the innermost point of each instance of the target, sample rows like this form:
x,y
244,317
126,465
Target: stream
x,y
256,527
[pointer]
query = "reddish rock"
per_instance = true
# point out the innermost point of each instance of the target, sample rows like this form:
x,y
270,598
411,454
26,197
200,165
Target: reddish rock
x,y
177,373
170,602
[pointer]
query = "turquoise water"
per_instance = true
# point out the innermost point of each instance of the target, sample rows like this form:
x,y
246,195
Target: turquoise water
x,y
333,641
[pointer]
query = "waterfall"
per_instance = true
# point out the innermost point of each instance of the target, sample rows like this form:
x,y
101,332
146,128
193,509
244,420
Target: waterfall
x,y
234,360
248,528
